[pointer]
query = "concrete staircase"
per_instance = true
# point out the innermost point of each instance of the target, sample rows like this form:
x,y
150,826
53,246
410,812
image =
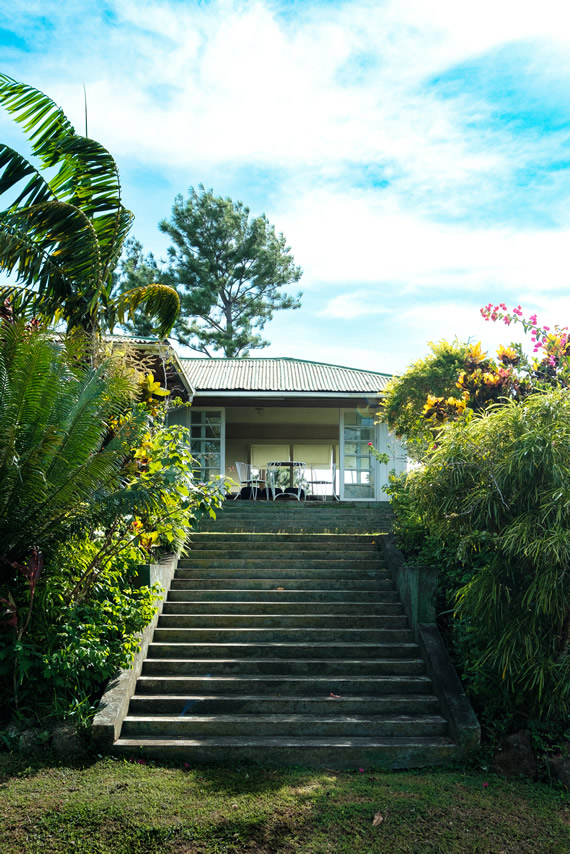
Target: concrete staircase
x,y
282,640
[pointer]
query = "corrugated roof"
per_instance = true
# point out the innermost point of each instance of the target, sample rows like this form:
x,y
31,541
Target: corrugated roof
x,y
280,375
131,339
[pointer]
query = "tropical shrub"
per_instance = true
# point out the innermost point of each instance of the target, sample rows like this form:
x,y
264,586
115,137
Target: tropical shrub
x,y
495,495
488,504
91,484
405,396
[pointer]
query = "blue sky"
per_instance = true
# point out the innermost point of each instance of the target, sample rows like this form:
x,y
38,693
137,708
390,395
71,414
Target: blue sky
x,y
415,153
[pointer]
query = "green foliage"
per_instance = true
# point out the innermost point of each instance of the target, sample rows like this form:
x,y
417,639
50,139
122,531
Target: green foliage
x,y
91,485
74,645
62,234
495,495
227,270
136,270
405,396
58,467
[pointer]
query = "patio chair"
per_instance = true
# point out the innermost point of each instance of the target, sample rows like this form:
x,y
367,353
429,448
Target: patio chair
x,y
251,480
319,479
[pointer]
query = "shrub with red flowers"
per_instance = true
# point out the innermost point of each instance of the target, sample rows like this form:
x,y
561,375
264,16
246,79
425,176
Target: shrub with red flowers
x,y
550,363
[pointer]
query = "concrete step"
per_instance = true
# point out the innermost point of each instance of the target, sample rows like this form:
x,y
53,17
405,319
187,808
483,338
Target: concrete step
x,y
388,753
308,541
213,704
282,650
293,558
180,593
282,621
309,685
283,582
279,527
314,505
275,544
283,508
320,726
294,569
279,607
282,667
264,635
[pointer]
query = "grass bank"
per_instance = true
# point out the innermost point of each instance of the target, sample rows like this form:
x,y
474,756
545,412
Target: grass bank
x,y
111,806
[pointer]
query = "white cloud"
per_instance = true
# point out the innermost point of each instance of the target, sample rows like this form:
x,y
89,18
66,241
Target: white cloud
x,y
249,87
315,98
353,304
362,237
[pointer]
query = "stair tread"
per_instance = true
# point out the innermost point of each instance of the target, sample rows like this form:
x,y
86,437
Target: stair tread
x,y
359,698
316,644
283,718
252,661
289,678
288,741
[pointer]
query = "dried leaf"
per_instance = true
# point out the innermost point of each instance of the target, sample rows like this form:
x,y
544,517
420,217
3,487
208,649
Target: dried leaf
x,y
378,819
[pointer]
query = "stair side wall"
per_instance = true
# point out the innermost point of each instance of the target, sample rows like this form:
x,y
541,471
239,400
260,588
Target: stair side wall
x,y
114,704
417,586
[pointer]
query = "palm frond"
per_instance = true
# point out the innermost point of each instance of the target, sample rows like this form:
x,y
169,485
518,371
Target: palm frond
x,y
87,179
15,168
43,121
160,301
51,247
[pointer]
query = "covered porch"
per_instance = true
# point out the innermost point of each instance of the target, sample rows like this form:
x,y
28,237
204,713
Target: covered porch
x,y
317,421
328,448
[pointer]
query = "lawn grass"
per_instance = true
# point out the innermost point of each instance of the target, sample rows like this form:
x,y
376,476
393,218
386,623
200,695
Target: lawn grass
x,y
111,806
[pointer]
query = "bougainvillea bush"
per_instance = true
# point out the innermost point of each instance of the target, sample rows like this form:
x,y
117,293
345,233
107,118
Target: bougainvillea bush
x,y
490,505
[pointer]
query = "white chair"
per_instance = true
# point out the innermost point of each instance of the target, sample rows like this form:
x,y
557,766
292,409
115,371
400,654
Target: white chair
x,y
249,476
322,481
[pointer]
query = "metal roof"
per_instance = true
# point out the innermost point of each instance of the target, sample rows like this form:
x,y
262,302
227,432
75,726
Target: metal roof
x,y
280,375
123,338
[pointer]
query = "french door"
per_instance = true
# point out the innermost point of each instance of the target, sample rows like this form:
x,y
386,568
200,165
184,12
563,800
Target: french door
x,y
207,442
361,475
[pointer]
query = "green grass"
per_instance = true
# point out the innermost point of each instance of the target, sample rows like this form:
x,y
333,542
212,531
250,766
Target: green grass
x,y
111,806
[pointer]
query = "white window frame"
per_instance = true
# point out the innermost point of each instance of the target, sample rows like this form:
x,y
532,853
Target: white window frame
x,y
380,440
222,411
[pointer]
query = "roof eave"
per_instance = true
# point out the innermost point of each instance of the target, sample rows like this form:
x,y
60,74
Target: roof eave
x,y
281,395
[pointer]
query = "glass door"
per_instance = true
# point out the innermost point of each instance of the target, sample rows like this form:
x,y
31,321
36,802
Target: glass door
x,y
207,442
358,467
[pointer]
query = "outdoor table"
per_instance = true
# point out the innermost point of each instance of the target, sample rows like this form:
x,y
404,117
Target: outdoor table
x,y
295,468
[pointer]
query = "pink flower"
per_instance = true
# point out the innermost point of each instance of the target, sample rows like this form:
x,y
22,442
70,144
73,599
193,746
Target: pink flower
x,y
370,445
485,785
361,770
532,318
507,321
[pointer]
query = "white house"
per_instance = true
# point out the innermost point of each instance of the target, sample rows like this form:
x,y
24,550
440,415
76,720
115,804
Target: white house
x,y
257,410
